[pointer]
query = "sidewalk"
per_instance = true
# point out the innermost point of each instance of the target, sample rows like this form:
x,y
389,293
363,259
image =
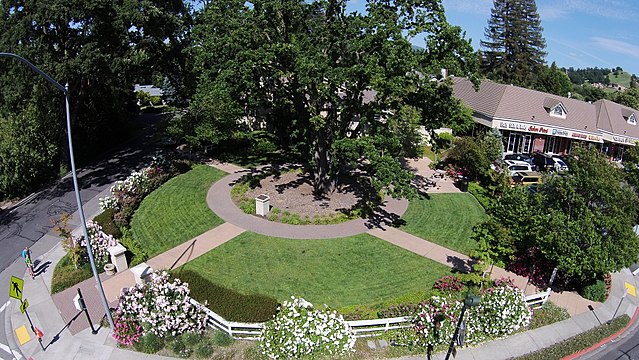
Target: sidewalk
x,y
53,314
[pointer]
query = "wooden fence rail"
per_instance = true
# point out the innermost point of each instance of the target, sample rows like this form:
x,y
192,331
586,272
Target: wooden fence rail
x,y
361,328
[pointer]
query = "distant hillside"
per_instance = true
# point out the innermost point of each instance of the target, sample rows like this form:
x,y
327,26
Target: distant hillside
x,y
622,78
596,75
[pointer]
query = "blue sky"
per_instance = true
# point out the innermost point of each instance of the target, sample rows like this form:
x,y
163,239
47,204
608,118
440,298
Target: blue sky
x,y
578,33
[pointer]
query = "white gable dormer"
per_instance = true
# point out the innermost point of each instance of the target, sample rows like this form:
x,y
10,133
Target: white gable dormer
x,y
632,119
559,111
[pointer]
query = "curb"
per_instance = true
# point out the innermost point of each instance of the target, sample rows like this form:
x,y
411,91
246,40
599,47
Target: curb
x,y
602,342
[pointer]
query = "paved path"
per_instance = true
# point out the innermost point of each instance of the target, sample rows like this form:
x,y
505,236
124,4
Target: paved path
x,y
219,200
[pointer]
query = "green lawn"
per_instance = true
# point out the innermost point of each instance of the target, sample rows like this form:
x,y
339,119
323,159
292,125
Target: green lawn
x,y
445,219
176,211
360,269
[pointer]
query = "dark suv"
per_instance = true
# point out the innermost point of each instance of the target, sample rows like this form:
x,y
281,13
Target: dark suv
x,y
543,162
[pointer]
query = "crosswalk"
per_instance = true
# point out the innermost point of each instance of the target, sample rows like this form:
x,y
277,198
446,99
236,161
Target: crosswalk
x,y
7,353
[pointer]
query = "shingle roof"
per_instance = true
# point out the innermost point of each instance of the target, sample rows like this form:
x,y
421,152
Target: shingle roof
x,y
519,104
613,118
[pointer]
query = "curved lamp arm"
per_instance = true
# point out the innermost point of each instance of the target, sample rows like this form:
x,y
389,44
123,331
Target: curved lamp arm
x,y
35,68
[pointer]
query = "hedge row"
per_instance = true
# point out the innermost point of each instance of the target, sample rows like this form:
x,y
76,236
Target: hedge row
x,y
229,304
578,342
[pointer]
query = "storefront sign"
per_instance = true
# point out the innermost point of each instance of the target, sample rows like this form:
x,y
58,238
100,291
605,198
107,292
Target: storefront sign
x,y
558,132
507,125
537,129
620,139
512,126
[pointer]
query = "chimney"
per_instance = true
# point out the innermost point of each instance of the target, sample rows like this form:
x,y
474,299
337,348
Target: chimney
x,y
444,73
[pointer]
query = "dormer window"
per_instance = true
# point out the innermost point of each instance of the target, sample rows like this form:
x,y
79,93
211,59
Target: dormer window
x,y
555,108
629,116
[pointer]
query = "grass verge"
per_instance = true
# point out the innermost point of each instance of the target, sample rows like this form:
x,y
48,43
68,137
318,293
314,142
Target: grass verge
x,y
578,342
65,275
176,211
445,219
359,269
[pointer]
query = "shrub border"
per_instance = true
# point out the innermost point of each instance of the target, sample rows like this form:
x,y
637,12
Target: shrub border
x,y
615,335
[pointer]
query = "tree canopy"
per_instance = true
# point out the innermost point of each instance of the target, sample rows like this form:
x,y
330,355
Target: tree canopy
x,y
581,222
342,90
100,48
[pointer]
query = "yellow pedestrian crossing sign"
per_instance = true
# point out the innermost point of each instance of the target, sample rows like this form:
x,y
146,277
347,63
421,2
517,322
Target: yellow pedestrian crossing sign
x,y
15,288
24,305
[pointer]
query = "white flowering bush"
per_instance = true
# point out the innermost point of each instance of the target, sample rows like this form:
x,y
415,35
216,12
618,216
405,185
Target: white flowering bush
x,y
162,307
100,242
502,311
108,202
299,330
137,183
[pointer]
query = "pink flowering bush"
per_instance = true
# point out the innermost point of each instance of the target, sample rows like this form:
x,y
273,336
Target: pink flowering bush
x,y
127,331
448,284
162,307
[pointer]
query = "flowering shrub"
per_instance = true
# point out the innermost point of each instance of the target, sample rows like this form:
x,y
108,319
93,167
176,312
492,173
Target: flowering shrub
x,y
162,307
448,284
435,323
127,331
300,330
108,202
531,263
135,184
100,242
502,311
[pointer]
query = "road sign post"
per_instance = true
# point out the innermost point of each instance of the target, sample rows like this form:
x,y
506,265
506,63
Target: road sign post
x,y
15,288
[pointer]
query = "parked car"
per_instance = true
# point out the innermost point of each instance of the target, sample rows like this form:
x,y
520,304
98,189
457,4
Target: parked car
x,y
515,168
519,157
526,178
543,162
560,164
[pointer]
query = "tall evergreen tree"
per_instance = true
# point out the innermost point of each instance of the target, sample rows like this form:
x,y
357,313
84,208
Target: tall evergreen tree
x,y
514,46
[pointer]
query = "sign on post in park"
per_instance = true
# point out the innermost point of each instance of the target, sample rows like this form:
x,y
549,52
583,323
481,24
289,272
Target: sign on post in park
x,y
15,288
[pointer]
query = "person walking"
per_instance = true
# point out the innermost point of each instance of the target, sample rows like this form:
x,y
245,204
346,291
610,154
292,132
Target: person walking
x,y
26,256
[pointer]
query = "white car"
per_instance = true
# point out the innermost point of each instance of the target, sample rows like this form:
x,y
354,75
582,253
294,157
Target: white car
x,y
560,165
514,169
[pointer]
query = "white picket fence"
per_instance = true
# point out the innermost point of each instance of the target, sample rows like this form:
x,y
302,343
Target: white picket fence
x,y
361,328
538,300
251,331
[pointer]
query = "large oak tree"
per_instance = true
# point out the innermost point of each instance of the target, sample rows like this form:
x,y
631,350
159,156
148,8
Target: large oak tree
x,y
344,90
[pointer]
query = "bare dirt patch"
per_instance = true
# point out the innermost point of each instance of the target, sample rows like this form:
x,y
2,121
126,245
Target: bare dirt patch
x,y
292,191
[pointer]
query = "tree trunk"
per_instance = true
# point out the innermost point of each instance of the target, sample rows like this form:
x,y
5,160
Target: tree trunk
x,y
324,177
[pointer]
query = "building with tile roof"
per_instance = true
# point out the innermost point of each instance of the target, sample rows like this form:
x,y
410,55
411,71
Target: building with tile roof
x,y
534,121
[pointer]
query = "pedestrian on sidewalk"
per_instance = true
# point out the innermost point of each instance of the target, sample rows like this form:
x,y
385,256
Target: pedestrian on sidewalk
x,y
26,256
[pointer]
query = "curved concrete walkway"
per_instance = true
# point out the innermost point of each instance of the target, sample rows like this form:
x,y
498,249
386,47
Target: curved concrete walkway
x,y
219,200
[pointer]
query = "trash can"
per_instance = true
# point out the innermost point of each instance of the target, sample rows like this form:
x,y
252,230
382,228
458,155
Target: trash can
x,y
262,205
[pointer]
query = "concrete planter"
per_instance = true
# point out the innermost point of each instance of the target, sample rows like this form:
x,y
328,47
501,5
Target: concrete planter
x,y
109,269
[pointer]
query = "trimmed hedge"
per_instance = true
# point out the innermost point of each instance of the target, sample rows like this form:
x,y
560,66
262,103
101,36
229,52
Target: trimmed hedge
x,y
579,342
228,303
595,291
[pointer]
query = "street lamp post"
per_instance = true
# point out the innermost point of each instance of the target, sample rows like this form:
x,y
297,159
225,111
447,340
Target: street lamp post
x,y
469,301
65,90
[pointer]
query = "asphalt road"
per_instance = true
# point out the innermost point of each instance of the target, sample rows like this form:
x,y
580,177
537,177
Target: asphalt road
x,y
30,220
